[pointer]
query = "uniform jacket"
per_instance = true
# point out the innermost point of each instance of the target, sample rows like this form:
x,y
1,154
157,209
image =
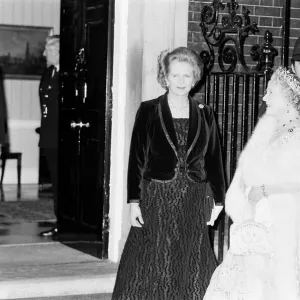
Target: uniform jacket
x,y
49,100
154,148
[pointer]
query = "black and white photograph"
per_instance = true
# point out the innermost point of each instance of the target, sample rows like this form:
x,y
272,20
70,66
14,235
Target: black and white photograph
x,y
150,149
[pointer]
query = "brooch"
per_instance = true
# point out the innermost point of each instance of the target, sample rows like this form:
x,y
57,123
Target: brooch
x,y
201,105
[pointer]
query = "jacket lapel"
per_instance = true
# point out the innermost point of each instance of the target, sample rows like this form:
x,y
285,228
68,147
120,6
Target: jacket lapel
x,y
194,125
167,121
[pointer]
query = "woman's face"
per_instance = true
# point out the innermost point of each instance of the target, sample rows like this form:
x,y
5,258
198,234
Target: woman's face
x,y
180,78
296,68
275,100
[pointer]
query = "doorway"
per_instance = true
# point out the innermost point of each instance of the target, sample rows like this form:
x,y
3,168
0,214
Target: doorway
x,y
85,119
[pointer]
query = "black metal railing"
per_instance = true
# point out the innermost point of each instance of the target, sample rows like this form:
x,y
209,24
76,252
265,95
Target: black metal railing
x,y
235,90
235,98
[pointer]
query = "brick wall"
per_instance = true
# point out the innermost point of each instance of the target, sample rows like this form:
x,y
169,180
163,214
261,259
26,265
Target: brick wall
x,y
294,23
268,14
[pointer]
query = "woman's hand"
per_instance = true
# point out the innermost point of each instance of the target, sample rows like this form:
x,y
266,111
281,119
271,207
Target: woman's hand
x,y
136,218
255,194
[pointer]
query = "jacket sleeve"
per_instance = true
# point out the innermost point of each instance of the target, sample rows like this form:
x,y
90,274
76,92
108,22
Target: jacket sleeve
x,y
137,155
214,163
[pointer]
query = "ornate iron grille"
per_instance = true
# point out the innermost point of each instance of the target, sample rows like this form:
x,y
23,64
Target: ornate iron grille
x,y
235,89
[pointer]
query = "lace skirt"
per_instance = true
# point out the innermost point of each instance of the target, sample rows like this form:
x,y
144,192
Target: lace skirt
x,y
262,262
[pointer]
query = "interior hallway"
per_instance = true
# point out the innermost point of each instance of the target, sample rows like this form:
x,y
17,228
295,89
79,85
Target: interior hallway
x,y
35,267
21,232
14,232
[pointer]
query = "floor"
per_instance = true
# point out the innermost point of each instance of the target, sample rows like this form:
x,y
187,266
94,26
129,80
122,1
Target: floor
x,y
77,297
20,233
25,233
9,192
25,255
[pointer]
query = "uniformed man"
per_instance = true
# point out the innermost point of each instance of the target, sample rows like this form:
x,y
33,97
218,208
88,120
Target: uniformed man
x,y
49,98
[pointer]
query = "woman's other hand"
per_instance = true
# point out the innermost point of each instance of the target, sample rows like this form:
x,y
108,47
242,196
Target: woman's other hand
x,y
136,218
255,194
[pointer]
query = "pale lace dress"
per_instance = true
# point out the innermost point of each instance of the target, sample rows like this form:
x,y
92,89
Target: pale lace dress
x,y
262,262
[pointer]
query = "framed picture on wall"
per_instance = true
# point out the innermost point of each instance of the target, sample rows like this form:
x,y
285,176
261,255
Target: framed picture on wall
x,y
21,51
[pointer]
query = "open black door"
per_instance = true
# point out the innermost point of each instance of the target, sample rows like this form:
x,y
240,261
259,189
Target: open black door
x,y
85,118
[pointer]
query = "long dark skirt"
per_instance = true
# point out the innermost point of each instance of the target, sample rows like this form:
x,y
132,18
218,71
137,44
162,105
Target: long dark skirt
x,y
171,257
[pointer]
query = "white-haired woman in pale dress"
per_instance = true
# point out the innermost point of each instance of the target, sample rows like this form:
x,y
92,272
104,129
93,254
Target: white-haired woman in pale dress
x,y
263,201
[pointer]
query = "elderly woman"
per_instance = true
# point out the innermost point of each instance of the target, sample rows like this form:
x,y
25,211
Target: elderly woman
x,y
264,202
175,163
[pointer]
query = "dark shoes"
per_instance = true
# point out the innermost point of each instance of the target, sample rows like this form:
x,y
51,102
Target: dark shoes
x,y
50,233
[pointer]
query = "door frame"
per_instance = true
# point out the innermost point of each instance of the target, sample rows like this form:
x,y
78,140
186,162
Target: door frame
x,y
108,126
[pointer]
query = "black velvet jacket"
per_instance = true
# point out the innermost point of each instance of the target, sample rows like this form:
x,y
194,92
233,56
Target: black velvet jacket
x,y
154,148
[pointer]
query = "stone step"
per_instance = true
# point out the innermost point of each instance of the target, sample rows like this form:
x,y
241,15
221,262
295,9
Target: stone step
x,y
76,297
52,269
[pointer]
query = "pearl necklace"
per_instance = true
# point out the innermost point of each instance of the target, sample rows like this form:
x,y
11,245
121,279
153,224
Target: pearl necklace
x,y
179,112
175,107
